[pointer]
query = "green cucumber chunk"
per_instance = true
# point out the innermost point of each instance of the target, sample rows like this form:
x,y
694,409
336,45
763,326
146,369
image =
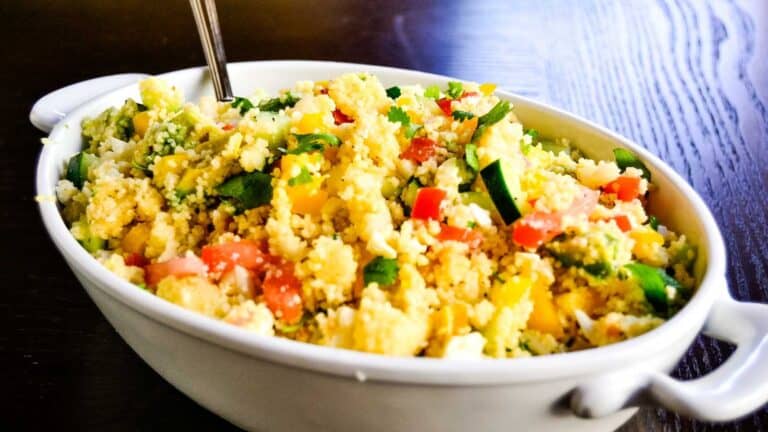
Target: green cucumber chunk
x,y
481,199
77,168
504,188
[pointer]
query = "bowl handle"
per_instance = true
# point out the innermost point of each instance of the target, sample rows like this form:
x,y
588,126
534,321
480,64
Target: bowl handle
x,y
54,106
735,389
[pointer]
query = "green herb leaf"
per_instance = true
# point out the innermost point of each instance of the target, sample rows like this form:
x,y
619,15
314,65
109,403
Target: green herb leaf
x,y
398,115
276,104
141,107
249,190
381,270
533,133
653,221
471,224
394,92
626,159
653,282
495,115
243,104
455,89
306,143
470,156
462,115
303,177
432,92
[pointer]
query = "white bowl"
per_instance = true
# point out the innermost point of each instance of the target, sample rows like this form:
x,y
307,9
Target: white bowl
x,y
262,383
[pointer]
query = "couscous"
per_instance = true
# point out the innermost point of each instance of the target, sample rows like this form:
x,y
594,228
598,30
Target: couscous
x,y
404,221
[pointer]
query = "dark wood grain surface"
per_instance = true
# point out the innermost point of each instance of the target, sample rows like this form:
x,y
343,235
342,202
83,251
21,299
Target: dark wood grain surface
x,y
688,79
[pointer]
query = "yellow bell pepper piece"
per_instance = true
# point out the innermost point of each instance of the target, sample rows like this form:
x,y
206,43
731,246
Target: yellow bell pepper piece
x,y
166,165
404,101
311,123
308,198
487,88
141,123
509,292
135,240
188,181
544,317
647,242
450,320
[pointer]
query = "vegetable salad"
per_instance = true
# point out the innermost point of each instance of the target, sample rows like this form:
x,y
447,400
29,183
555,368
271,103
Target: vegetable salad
x,y
404,221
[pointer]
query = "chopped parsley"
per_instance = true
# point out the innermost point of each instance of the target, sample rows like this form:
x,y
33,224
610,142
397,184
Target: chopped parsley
x,y
243,104
276,104
653,221
471,224
394,92
306,143
495,115
462,115
470,156
455,89
381,270
398,115
303,177
432,92
533,133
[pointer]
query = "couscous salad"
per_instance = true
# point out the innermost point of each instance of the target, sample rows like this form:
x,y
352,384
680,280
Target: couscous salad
x,y
404,221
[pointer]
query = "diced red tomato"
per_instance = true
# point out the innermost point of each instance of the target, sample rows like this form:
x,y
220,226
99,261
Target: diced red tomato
x,y
339,117
228,127
179,267
472,238
468,94
420,150
427,203
622,221
282,292
445,105
536,228
626,188
324,91
224,257
135,259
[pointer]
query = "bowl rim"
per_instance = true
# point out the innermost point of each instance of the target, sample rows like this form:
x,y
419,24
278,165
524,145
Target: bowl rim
x,y
367,366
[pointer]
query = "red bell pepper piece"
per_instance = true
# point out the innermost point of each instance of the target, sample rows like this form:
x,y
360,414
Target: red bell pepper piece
x,y
427,203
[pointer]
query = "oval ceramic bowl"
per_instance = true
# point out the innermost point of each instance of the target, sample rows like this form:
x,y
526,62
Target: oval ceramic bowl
x,y
263,383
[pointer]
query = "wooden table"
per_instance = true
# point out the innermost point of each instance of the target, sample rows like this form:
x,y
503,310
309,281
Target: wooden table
x,y
688,79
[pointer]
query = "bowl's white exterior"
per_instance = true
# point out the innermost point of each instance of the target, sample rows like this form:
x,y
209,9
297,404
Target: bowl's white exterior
x,y
272,384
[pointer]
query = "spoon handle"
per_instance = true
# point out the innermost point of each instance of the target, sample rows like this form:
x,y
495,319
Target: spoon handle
x,y
210,36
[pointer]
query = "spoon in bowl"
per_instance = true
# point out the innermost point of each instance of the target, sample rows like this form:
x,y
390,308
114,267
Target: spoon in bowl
x,y
207,22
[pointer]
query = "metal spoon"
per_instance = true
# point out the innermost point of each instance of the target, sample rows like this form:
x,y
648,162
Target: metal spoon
x,y
213,46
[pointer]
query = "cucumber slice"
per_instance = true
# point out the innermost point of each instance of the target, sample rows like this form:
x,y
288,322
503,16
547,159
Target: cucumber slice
x,y
481,199
504,187
273,128
77,168
409,195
